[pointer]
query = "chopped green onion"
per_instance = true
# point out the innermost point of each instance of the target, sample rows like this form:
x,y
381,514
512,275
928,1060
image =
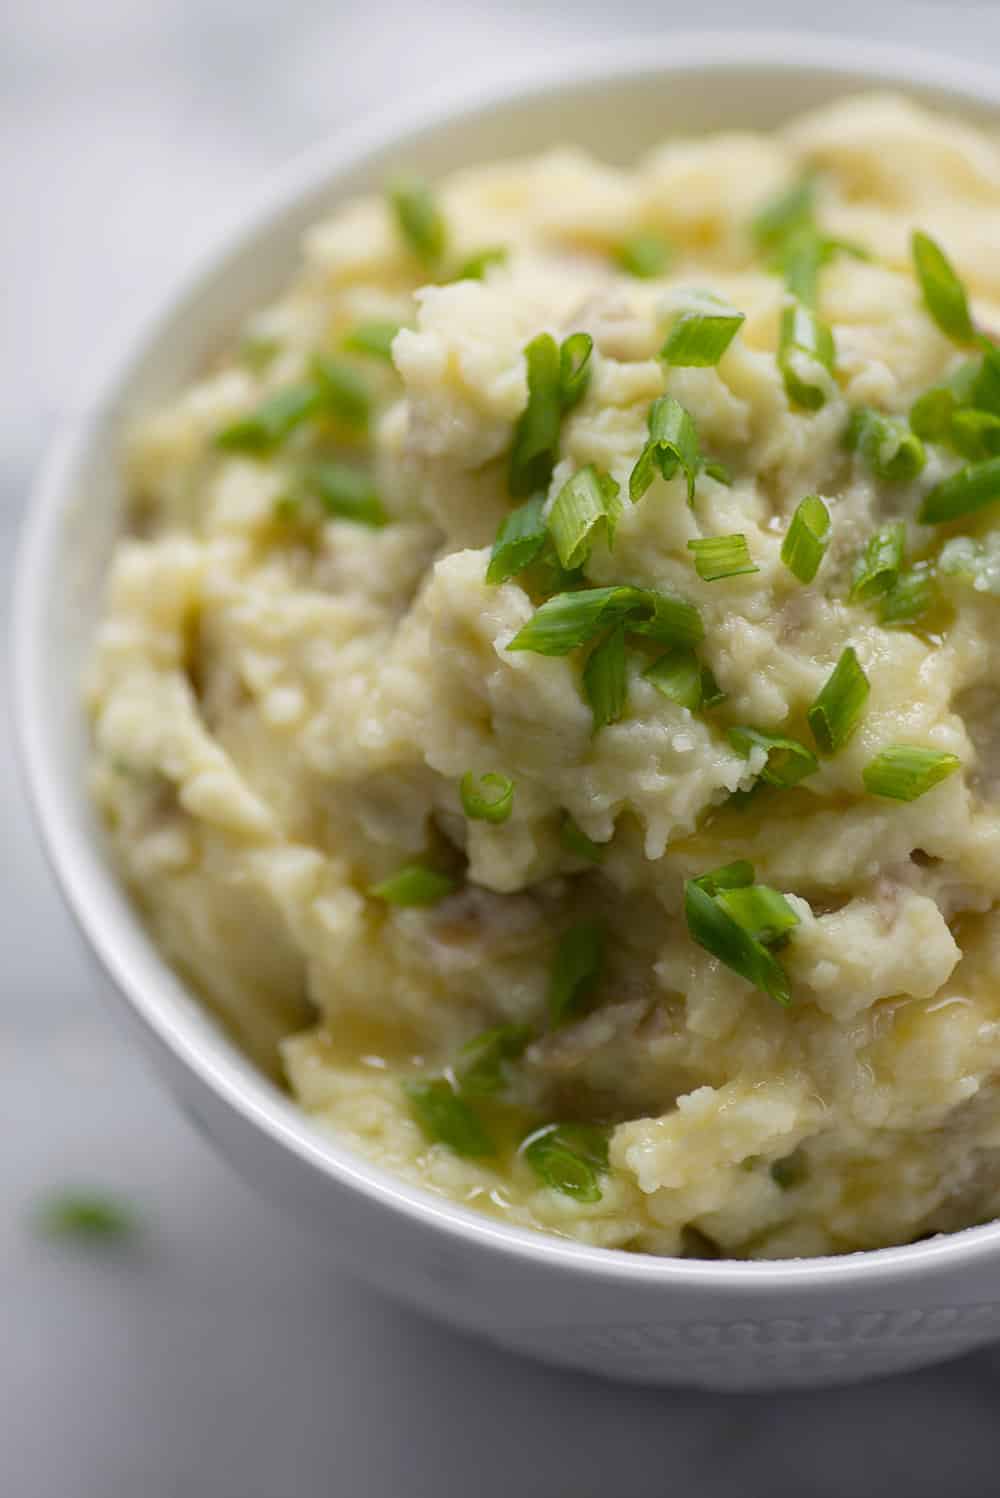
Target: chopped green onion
x,y
644,255
970,489
520,539
476,266
372,338
586,504
701,332
762,912
805,544
944,294
805,346
673,444
785,214
978,384
802,258
787,761
577,969
721,934
878,566
576,841
605,685
887,445
86,1216
716,557
345,492
975,434
574,369
536,435
445,1118
418,217
911,597
717,471
485,808
342,393
671,620
678,676
837,710
571,619
569,1158
903,772
271,423
413,885
931,414
736,875
479,1069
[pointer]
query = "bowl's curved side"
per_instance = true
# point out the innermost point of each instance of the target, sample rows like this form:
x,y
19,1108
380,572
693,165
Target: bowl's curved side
x,y
725,1325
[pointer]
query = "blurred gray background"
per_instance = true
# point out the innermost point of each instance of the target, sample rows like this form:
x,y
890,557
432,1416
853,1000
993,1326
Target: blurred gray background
x,y
222,1358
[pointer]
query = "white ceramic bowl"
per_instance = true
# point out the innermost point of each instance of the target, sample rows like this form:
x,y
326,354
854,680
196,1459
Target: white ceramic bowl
x,y
720,1325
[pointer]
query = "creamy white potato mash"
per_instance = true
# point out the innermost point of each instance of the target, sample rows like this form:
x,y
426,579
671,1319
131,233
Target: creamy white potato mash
x,y
437,827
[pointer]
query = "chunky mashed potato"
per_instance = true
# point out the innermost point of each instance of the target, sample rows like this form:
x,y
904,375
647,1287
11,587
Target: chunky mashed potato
x,y
304,673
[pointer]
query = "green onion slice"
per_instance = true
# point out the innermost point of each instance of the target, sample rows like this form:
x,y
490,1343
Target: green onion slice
x,y
787,761
975,434
271,423
480,1069
569,1158
673,444
644,255
716,557
586,504
536,435
418,217
481,806
477,264
805,348
891,450
341,392
730,876
931,414
574,369
413,885
577,969
605,685
372,338
911,597
345,492
761,911
972,488
787,213
903,772
576,841
717,471
943,292
878,566
86,1216
571,619
711,693
808,535
445,1118
519,541
837,710
678,676
702,331
719,931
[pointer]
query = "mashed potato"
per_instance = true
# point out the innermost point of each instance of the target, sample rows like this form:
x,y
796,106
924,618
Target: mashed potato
x,y
449,886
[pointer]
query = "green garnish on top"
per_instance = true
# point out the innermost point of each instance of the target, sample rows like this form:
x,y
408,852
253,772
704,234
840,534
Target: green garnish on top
x,y
418,218
737,921
943,292
645,255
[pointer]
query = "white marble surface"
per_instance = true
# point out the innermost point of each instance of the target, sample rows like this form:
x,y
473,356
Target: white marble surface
x,y
222,1358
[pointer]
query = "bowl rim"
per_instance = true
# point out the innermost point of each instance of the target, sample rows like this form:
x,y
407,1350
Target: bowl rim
x,y
158,997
